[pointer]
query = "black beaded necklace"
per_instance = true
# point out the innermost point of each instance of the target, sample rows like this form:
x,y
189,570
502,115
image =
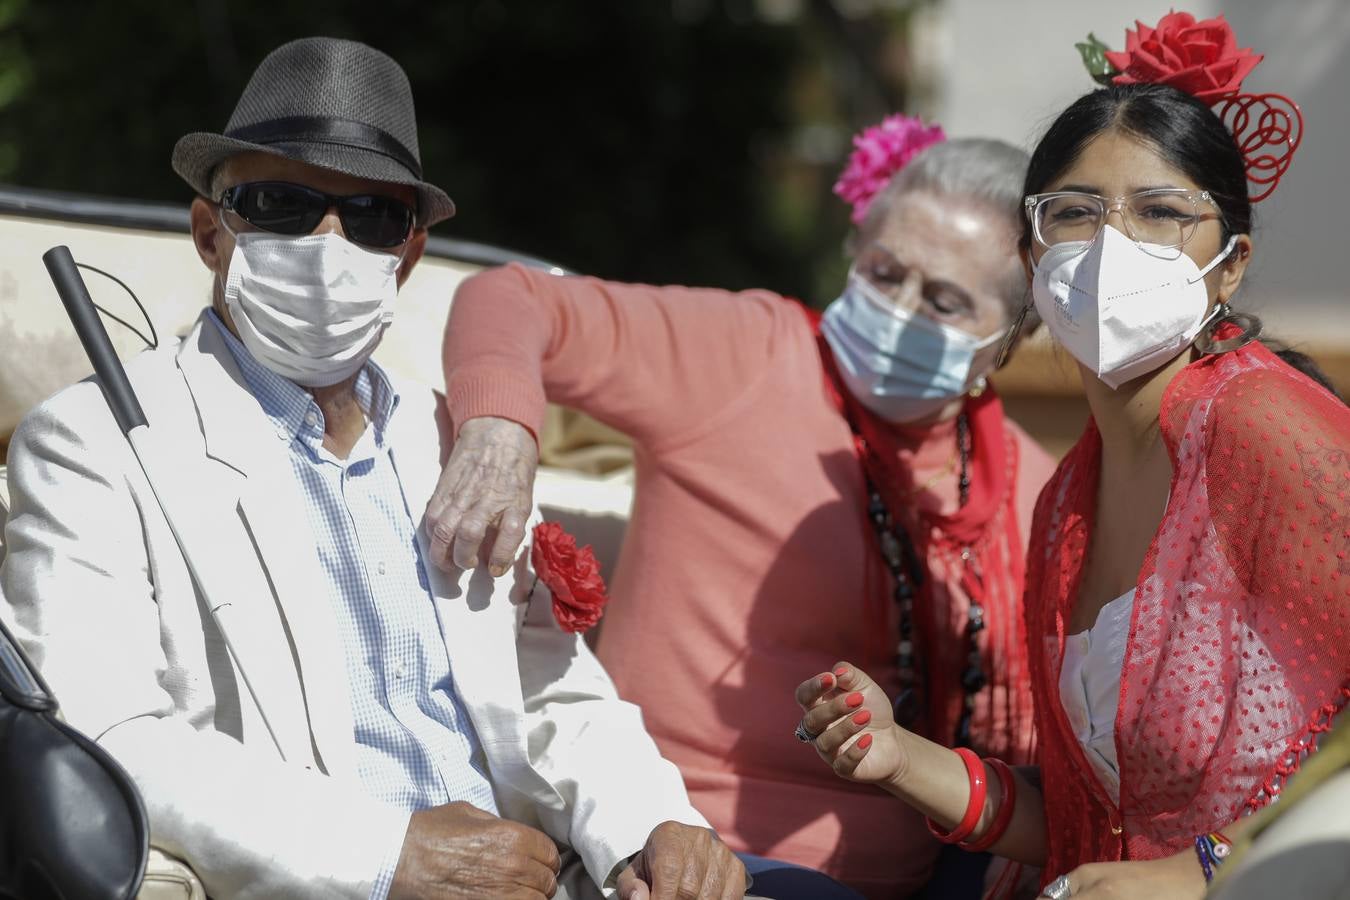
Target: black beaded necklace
x,y
908,573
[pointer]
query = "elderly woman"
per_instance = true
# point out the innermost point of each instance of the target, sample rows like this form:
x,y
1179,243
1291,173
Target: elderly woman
x,y
804,484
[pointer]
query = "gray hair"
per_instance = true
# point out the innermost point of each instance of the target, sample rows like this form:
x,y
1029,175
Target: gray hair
x,y
982,170
220,178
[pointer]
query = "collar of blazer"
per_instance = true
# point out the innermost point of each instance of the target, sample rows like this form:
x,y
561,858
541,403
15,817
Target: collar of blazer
x,y
253,477
246,504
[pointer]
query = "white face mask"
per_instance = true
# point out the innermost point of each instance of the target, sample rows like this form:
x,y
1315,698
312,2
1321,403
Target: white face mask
x,y
310,308
900,365
1121,310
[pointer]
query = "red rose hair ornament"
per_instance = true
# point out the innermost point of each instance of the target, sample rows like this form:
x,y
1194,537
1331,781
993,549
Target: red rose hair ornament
x,y
1203,59
572,575
1200,58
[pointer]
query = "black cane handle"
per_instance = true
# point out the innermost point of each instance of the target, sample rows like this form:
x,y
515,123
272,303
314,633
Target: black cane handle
x,y
112,378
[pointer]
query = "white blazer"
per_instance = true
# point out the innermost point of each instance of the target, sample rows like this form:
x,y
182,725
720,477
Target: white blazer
x,y
95,587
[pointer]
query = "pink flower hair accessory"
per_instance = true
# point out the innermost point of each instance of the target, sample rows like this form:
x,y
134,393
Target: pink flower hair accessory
x,y
878,153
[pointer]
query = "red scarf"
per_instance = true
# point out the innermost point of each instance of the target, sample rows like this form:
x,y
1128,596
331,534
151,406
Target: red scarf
x,y
1239,646
985,529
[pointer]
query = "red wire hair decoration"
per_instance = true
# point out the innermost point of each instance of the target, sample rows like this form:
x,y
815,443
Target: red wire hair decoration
x,y
1268,129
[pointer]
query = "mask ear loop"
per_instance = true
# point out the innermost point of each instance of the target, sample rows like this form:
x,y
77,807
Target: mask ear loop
x,y
1226,252
1224,314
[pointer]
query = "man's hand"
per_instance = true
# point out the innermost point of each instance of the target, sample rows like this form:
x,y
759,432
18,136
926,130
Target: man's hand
x,y
488,483
459,852
681,862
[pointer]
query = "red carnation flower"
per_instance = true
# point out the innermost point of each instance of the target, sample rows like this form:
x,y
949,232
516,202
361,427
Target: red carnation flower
x,y
1200,58
572,575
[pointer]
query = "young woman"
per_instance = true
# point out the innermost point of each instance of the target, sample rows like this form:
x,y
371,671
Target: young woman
x,y
1188,588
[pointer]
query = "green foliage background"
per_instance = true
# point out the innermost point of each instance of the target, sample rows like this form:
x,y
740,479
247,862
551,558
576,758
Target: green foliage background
x,y
690,141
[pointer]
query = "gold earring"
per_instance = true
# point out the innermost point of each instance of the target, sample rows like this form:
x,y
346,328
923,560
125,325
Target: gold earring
x,y
1010,337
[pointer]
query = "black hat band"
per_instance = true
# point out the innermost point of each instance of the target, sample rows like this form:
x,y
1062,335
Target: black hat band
x,y
325,130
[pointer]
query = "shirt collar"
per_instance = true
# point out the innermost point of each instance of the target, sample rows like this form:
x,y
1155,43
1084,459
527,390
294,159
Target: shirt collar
x,y
292,408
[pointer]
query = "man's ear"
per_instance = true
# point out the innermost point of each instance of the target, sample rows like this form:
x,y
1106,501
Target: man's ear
x,y
417,245
210,239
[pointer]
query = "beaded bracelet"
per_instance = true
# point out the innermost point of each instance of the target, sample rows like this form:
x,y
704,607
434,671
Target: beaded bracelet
x,y
974,806
1212,850
1006,804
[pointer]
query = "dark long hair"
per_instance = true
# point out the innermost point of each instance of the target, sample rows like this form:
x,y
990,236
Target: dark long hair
x,y
1185,132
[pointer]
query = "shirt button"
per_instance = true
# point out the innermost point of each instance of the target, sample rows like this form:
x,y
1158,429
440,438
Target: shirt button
x,y
400,670
283,433
380,568
311,418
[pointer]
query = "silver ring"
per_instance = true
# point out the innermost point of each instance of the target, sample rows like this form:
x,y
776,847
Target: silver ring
x,y
806,737
1058,889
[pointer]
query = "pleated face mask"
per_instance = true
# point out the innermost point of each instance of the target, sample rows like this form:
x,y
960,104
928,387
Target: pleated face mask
x,y
1121,308
901,365
312,308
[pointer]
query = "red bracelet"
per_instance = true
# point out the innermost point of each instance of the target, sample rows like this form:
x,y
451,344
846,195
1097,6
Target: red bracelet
x,y
974,807
1006,804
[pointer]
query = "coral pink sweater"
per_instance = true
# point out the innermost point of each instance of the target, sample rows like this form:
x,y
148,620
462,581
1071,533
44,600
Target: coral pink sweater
x,y
742,571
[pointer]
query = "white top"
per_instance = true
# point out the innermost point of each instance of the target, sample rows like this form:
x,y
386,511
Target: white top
x,y
1089,687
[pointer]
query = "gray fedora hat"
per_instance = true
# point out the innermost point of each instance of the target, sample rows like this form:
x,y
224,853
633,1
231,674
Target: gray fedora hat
x,y
331,103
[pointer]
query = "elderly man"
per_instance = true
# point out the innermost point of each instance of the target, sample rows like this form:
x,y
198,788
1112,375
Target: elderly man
x,y
340,720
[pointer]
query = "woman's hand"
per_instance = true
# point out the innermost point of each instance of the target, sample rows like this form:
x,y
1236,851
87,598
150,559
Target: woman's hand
x,y
856,729
1176,877
487,485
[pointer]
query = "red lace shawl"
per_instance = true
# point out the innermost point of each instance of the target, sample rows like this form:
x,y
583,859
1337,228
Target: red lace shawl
x,y
1239,647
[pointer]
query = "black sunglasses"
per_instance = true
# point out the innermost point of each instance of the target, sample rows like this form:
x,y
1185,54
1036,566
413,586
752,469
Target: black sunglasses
x,y
284,208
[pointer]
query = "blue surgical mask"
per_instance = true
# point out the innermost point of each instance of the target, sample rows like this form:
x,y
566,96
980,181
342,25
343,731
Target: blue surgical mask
x,y
900,365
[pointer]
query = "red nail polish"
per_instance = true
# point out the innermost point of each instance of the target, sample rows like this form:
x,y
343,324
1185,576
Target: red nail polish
x,y
854,700
827,681
841,671
862,717
865,741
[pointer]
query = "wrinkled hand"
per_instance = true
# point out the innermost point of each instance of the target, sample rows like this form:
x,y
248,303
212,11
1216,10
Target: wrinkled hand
x,y
459,852
1176,877
852,715
682,862
487,484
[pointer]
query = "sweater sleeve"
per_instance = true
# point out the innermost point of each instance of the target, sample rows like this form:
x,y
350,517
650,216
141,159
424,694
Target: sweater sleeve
x,y
652,362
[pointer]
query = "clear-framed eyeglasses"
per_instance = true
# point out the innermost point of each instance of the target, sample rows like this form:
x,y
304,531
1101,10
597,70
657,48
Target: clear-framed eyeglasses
x,y
1161,221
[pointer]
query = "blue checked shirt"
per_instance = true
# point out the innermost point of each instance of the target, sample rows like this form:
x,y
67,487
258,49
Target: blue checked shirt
x,y
416,747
